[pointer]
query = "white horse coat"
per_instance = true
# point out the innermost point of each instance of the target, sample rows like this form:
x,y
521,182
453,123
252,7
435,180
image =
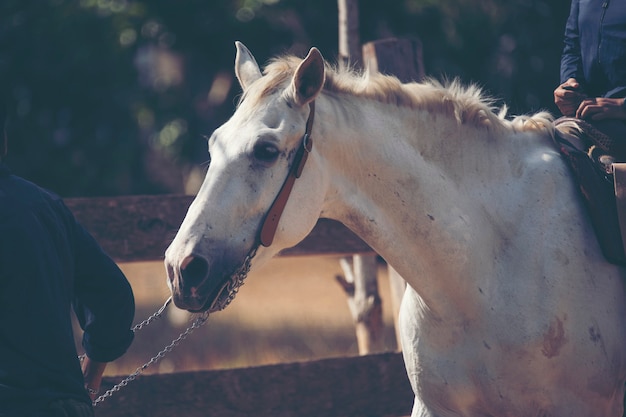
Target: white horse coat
x,y
510,309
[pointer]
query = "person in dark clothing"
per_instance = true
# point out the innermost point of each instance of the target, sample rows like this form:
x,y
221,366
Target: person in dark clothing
x,y
593,63
50,264
591,135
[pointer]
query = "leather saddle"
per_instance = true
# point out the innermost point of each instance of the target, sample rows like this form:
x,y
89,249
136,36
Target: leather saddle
x,y
596,154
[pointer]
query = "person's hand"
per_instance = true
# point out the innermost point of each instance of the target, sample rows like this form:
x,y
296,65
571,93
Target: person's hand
x,y
568,97
92,372
601,108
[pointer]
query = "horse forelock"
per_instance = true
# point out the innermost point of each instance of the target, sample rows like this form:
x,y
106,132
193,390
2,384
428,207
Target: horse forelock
x,y
467,104
276,75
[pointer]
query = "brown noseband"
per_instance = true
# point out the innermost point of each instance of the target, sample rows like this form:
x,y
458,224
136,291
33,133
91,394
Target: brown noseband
x,y
268,229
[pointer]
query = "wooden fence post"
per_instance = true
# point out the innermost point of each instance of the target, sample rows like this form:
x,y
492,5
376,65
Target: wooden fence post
x,y
349,39
361,272
402,58
360,284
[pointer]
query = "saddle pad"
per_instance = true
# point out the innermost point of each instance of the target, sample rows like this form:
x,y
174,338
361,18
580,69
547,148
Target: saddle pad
x,y
606,134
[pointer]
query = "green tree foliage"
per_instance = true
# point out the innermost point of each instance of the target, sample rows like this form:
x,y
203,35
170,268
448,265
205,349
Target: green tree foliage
x,y
115,96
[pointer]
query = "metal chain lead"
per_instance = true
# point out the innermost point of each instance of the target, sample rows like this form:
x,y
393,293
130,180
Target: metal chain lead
x,y
153,317
145,322
196,323
231,287
226,296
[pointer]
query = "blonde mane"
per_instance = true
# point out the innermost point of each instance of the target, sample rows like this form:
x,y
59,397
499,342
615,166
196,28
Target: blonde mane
x,y
467,104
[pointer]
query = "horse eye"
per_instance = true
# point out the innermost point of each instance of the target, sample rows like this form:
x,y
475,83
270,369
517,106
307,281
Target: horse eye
x,y
265,152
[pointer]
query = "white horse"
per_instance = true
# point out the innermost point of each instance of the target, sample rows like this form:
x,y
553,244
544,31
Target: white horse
x,y
510,309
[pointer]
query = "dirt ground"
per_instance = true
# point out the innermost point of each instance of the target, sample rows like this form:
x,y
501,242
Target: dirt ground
x,y
290,310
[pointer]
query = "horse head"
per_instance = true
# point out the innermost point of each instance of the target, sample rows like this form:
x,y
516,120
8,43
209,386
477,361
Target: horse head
x,y
252,157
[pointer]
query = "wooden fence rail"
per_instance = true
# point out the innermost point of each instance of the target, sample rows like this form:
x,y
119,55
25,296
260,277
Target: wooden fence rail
x,y
138,228
363,386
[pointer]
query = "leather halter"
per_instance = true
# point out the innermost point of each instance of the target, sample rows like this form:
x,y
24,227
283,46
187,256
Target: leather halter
x,y
268,228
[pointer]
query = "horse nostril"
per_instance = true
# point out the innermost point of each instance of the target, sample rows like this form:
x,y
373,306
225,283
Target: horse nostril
x,y
194,270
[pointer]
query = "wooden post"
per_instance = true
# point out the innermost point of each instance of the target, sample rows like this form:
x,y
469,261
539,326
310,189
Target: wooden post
x,y
349,39
400,57
361,287
403,59
361,272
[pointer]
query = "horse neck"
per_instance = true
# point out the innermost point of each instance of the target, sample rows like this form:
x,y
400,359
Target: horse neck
x,y
394,185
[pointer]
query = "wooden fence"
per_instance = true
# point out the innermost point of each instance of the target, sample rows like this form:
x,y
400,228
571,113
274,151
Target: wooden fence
x,y
136,228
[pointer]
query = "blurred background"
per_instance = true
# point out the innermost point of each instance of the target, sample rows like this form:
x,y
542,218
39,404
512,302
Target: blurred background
x,y
117,97
113,97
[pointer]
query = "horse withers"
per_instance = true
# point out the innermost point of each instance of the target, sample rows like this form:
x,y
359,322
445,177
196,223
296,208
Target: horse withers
x,y
510,308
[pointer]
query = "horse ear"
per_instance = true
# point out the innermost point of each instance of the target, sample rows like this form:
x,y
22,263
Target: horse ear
x,y
308,79
246,68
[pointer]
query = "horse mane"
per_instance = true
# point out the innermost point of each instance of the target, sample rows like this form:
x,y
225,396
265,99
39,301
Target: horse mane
x,y
466,104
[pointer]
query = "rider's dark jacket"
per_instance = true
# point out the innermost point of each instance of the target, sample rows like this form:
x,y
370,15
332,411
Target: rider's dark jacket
x,y
49,264
595,47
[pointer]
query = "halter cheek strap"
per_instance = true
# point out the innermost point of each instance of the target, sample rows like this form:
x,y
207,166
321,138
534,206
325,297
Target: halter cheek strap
x,y
268,229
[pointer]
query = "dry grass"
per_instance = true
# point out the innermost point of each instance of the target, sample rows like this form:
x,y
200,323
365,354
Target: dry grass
x,y
290,310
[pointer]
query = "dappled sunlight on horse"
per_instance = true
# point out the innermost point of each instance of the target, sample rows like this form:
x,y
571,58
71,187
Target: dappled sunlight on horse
x,y
511,309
